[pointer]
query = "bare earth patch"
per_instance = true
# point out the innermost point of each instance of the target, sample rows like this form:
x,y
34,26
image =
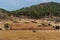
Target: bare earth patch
x,y
30,35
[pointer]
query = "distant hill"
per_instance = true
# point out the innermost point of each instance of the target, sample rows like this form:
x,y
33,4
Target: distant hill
x,y
37,11
40,10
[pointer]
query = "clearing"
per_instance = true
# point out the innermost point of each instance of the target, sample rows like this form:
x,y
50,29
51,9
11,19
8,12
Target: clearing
x,y
30,35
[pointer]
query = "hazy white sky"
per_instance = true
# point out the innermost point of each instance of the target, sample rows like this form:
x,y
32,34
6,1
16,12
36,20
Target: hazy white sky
x,y
17,4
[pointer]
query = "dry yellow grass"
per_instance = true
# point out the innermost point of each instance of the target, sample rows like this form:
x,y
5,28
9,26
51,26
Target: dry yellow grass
x,y
30,35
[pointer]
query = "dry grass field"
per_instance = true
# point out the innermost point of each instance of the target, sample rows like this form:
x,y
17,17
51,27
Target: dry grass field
x,y
30,35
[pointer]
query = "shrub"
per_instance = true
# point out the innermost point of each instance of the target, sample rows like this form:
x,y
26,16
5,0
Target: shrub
x,y
49,24
15,21
39,25
0,28
33,21
6,26
57,27
34,31
26,22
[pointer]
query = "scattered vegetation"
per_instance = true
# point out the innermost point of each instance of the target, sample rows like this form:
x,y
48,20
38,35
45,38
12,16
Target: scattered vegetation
x,y
6,26
34,31
0,28
36,11
49,24
14,21
56,27
26,22
39,25
33,21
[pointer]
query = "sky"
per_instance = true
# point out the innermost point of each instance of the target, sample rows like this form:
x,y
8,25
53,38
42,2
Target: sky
x,y
18,4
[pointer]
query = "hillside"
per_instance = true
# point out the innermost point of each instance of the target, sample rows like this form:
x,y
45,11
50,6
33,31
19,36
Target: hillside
x,y
3,14
41,10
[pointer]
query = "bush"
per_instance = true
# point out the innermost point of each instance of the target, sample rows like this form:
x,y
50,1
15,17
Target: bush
x,y
43,24
57,21
57,27
6,26
33,21
39,25
0,28
26,22
49,24
15,21
34,31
